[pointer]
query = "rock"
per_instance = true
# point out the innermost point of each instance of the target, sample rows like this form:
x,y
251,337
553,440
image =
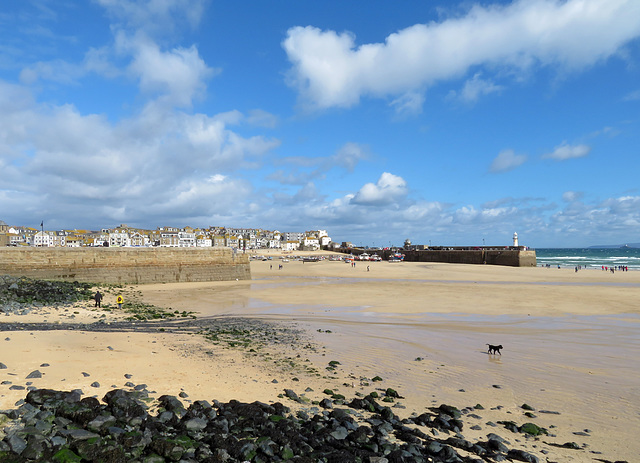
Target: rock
x,y
2,366
129,426
292,395
532,429
34,374
548,412
521,455
17,444
450,410
326,403
101,422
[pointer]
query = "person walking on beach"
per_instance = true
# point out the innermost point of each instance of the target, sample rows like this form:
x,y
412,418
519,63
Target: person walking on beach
x,y
120,301
97,298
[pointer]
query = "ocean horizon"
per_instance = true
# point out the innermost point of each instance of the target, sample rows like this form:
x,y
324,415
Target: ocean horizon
x,y
594,258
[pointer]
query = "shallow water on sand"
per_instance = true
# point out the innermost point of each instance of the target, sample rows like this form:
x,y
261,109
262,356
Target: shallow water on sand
x,y
420,352
585,366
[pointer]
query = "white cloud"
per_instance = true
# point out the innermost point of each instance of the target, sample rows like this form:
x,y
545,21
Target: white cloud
x,y
475,88
566,151
507,160
300,170
387,190
408,104
571,196
178,75
349,155
155,16
158,163
330,69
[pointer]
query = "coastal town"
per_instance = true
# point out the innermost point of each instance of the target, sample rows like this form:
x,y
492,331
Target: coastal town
x,y
187,237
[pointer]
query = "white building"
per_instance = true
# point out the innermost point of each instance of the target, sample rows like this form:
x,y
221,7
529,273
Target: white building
x,y
186,239
119,239
41,240
204,241
290,245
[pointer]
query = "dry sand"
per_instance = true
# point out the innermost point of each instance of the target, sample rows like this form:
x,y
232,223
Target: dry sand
x,y
571,345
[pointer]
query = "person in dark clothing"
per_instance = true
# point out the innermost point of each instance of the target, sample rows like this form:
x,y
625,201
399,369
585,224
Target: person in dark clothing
x,y
97,298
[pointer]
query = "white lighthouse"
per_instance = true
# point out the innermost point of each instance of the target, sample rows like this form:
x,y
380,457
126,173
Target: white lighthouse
x,y
515,240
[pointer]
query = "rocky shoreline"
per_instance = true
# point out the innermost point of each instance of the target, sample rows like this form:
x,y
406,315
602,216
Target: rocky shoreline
x,y
127,427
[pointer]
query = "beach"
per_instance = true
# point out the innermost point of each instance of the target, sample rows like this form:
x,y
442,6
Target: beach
x,y
571,345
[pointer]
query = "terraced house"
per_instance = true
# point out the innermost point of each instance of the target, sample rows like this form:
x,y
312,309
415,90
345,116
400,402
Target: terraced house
x,y
124,236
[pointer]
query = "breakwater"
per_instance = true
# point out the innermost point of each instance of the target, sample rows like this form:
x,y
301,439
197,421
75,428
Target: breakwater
x,y
125,265
510,256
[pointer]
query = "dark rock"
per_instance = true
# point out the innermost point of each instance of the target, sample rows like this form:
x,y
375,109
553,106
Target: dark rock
x,y
58,426
521,455
532,429
326,403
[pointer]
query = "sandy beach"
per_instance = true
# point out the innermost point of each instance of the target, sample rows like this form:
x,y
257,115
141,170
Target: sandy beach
x,y
571,345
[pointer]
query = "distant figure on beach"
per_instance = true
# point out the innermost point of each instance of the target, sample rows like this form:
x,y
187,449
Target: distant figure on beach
x,y
97,298
367,268
120,301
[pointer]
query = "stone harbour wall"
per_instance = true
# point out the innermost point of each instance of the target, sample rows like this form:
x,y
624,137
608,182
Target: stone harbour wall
x,y
125,265
508,257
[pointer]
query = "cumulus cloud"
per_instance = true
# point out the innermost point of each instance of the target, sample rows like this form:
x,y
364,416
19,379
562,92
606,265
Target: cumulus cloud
x,y
387,190
178,75
566,151
153,162
507,160
330,69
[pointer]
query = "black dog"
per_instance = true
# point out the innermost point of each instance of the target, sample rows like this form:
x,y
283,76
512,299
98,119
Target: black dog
x,y
494,349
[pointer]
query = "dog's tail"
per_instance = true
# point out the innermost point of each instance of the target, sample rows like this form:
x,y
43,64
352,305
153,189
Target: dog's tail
x,y
488,344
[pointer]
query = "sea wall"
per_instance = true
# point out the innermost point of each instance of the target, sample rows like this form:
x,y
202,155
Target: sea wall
x,y
508,257
125,265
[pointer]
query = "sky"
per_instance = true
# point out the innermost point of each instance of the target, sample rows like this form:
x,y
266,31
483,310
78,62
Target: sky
x,y
443,122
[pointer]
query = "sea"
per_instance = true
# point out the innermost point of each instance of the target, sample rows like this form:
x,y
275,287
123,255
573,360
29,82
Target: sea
x,y
594,258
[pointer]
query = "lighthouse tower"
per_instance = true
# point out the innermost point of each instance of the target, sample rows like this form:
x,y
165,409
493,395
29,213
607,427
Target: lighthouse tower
x,y
515,240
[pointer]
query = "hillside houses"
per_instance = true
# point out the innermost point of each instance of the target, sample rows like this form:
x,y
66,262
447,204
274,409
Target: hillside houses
x,y
125,236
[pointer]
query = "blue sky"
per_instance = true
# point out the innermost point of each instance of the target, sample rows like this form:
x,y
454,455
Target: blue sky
x,y
441,121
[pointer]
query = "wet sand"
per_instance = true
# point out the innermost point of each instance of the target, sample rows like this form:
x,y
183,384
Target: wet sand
x,y
571,344
572,339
